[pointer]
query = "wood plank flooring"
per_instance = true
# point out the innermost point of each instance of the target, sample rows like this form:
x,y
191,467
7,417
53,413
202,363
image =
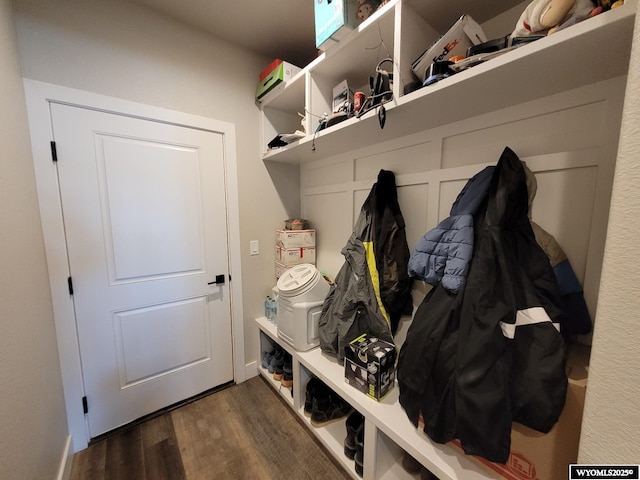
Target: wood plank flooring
x,y
245,431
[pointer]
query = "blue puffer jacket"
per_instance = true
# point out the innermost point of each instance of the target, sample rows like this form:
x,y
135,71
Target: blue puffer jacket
x,y
444,253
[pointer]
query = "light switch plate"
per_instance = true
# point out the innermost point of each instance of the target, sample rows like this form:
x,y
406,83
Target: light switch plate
x,y
254,247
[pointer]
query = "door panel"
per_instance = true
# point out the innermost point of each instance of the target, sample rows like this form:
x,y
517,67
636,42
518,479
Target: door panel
x,y
154,207
178,329
145,218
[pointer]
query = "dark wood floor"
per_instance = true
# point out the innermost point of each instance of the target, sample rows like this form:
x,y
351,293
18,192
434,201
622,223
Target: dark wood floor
x,y
242,432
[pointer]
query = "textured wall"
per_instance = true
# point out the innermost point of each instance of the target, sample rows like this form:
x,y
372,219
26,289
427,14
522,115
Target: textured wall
x,y
32,414
611,425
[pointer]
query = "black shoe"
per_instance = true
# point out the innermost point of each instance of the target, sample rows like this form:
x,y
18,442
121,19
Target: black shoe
x,y
287,372
315,386
425,474
354,423
277,364
410,464
359,457
328,408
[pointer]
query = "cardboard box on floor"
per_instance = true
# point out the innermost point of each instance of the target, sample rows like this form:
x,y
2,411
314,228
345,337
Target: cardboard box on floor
x,y
539,456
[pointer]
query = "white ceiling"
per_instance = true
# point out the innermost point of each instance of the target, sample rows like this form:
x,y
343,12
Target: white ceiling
x,y
275,28
285,28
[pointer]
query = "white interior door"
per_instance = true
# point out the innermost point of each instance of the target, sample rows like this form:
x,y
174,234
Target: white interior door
x,y
145,218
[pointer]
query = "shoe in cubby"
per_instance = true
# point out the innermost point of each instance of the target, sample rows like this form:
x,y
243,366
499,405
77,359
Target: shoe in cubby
x,y
287,371
315,387
266,359
268,353
410,464
277,361
278,365
354,423
425,474
328,408
359,457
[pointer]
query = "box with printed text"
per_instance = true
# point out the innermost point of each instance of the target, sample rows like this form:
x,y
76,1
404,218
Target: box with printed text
x,y
369,365
295,238
274,80
546,456
464,33
295,256
335,19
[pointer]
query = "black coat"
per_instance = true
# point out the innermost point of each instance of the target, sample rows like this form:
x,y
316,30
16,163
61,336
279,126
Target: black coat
x,y
475,362
372,289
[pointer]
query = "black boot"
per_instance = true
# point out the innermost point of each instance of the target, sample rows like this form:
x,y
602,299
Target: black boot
x,y
354,423
327,408
359,458
315,386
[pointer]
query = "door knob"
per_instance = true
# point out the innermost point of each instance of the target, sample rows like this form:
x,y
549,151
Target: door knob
x,y
218,281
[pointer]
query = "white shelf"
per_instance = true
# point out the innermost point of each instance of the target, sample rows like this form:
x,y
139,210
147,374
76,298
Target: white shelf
x,y
593,50
386,416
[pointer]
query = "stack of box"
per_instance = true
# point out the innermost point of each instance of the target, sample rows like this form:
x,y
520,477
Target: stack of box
x,y
294,247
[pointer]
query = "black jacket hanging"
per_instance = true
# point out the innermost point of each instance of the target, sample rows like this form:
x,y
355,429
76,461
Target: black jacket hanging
x,y
372,289
477,361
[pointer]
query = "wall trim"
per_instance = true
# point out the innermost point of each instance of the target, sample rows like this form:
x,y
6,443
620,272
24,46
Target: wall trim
x,y
251,370
66,461
38,97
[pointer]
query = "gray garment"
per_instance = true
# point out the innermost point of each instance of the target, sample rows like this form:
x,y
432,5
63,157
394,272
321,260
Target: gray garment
x,y
350,308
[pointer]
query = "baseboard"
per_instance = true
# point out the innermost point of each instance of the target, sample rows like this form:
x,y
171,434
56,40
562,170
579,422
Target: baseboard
x,y
251,370
64,471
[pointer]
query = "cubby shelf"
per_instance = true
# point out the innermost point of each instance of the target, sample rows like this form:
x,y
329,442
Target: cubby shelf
x,y
393,432
593,50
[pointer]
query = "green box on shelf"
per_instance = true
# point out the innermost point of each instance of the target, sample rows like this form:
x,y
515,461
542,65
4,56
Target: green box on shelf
x,y
276,79
370,365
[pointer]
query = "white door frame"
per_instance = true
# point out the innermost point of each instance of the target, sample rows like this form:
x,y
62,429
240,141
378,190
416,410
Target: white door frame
x,y
38,97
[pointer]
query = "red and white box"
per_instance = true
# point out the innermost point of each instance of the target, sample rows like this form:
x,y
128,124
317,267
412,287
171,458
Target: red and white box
x,y
295,238
295,256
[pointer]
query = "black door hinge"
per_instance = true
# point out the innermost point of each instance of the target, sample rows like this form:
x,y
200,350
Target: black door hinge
x,y
85,405
54,152
70,285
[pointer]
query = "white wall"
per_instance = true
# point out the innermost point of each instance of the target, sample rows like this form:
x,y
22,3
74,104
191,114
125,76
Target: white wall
x,y
32,414
127,51
611,425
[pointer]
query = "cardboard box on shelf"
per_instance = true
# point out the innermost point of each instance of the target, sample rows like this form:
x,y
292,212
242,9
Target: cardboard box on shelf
x,y
464,33
295,256
269,68
342,97
369,366
280,269
335,19
295,238
272,81
546,456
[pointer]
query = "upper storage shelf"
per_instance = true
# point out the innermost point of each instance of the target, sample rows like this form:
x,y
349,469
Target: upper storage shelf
x,y
593,50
